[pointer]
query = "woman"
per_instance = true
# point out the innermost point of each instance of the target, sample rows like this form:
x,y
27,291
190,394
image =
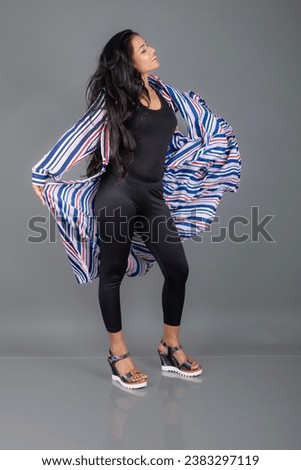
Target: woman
x,y
129,199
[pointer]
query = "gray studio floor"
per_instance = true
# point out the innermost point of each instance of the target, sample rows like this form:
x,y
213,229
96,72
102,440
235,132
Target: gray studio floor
x,y
245,402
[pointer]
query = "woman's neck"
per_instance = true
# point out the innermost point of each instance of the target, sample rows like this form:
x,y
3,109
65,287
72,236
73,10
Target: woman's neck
x,y
146,84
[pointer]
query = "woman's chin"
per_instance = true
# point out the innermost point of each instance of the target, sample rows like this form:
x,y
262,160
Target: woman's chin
x,y
156,65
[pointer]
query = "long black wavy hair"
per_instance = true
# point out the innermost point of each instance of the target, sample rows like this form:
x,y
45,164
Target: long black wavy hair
x,y
122,85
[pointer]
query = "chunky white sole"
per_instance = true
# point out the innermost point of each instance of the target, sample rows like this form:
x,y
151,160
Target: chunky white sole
x,y
131,385
181,372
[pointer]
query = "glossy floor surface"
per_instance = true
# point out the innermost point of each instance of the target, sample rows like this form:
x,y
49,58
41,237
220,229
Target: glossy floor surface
x,y
245,402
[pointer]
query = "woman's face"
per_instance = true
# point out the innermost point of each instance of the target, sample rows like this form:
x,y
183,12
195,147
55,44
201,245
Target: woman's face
x,y
144,56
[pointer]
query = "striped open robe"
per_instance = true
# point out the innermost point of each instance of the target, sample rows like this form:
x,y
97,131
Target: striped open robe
x,y
199,168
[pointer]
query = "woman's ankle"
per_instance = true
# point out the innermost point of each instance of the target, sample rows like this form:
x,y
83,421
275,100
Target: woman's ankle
x,y
118,348
170,334
117,343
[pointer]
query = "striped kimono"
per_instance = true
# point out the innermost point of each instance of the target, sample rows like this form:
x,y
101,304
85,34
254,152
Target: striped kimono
x,y
198,169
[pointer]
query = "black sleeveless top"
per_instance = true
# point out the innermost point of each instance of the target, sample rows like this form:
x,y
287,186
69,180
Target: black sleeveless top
x,y
153,129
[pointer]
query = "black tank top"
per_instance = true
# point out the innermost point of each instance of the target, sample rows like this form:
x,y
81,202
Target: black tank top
x,y
153,129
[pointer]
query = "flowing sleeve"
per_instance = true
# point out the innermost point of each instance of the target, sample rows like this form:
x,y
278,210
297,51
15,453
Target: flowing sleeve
x,y
82,139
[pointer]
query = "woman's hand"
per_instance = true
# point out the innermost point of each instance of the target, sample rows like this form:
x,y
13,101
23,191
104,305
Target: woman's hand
x,y
39,192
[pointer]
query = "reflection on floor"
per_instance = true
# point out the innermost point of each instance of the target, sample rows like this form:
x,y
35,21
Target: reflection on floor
x,y
239,402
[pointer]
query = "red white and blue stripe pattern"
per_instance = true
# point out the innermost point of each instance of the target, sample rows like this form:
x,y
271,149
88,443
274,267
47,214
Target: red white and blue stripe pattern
x,y
199,168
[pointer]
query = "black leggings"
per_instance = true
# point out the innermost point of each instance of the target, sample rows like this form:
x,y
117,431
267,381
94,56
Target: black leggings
x,y
135,204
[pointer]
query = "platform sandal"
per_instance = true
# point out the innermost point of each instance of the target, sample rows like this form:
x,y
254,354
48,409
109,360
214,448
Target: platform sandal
x,y
129,380
170,364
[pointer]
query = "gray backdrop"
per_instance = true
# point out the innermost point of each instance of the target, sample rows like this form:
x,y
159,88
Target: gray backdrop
x,y
242,57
